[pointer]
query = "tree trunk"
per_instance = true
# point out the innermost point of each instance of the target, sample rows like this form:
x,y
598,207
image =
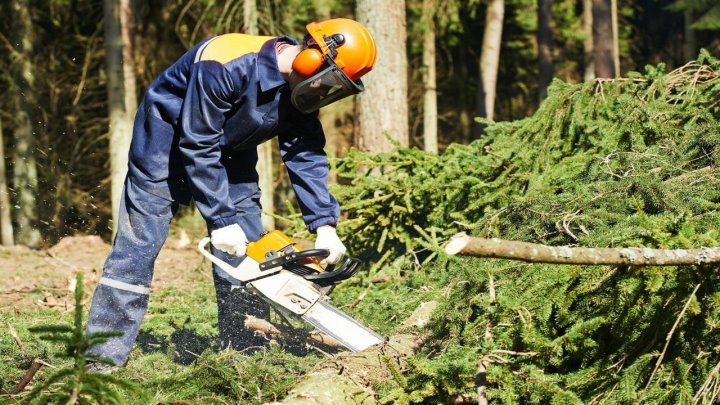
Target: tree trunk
x,y
603,39
545,45
588,49
462,244
6,228
25,177
264,165
347,377
430,133
490,58
466,100
690,43
383,107
615,37
122,100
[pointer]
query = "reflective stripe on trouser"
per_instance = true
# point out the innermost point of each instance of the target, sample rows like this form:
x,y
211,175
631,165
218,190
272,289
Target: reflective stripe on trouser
x,y
121,297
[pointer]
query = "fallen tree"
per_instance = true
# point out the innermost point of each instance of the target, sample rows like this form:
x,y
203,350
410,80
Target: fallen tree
x,y
626,162
347,378
463,244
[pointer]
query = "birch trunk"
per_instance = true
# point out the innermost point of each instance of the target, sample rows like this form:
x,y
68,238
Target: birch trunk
x,y
490,58
383,107
6,228
430,132
122,100
25,177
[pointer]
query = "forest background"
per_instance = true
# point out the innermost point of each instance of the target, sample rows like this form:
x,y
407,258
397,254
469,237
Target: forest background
x,y
454,132
73,71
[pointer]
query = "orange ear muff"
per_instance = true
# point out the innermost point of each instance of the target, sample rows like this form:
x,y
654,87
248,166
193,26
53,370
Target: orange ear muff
x,y
307,62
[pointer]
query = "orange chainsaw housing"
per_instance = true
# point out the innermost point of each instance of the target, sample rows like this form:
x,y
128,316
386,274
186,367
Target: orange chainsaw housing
x,y
275,244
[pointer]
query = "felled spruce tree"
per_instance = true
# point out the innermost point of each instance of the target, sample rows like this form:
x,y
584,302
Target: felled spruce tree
x,y
630,162
75,384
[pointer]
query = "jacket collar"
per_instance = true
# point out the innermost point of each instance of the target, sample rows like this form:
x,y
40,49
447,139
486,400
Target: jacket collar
x,y
268,72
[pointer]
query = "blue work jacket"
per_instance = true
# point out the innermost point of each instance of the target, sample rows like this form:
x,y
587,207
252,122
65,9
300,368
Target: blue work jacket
x,y
221,99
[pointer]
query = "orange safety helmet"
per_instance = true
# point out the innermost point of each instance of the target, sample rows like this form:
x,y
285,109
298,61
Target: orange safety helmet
x,y
347,41
337,53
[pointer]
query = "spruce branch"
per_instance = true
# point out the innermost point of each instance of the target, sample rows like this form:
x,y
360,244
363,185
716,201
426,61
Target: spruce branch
x,y
670,335
462,244
710,389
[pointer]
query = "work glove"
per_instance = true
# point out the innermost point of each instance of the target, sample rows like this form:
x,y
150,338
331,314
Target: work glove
x,y
230,239
327,239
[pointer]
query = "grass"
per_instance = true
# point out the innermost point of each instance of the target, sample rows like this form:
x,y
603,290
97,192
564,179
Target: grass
x,y
176,357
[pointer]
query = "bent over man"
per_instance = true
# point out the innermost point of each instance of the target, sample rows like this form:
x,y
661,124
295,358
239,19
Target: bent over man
x,y
195,137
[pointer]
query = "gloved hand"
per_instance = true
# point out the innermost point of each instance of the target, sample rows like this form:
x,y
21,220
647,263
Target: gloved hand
x,y
230,239
327,239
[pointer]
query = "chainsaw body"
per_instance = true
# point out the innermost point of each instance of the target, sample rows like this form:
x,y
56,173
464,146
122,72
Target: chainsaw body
x,y
292,280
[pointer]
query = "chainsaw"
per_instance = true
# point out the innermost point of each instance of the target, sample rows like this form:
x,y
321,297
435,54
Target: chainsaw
x,y
293,282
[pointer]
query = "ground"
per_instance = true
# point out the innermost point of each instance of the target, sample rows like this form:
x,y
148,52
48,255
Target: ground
x,y
43,278
176,357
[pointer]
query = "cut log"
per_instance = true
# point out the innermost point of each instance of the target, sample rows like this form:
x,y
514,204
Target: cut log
x,y
347,378
462,244
266,328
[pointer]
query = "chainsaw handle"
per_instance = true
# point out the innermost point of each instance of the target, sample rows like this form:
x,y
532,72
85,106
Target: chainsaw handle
x,y
293,257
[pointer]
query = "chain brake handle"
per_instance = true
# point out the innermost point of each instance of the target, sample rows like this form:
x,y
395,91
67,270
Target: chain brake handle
x,y
331,274
294,257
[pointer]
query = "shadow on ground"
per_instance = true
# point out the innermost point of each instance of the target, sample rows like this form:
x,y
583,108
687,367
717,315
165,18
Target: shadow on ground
x,y
187,345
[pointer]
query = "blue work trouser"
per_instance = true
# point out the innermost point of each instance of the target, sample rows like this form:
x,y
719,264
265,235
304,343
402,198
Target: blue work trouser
x,y
121,297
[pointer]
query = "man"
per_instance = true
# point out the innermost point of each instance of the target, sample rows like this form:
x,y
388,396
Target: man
x,y
195,137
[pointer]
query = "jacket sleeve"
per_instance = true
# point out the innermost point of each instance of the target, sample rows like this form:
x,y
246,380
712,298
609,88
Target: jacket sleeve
x,y
301,148
208,99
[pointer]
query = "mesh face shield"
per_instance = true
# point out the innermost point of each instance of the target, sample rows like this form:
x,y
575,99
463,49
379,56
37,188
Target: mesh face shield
x,y
327,86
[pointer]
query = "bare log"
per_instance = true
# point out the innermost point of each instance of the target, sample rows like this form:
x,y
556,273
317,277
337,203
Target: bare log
x,y
346,378
266,328
462,244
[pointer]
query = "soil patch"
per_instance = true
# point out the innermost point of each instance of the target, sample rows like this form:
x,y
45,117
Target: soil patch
x,y
46,277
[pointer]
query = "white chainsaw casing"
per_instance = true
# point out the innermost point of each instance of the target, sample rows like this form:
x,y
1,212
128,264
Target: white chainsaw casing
x,y
288,290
